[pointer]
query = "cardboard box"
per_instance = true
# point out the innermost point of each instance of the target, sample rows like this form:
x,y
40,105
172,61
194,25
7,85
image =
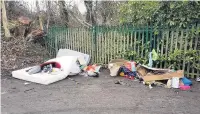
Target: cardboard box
x,y
165,76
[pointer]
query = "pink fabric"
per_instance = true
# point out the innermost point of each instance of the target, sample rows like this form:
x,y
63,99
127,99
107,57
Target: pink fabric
x,y
184,87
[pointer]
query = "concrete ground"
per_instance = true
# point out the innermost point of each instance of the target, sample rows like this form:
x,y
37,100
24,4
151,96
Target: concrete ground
x,y
86,95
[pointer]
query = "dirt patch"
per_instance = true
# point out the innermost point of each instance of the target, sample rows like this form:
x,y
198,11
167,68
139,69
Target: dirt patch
x,y
16,53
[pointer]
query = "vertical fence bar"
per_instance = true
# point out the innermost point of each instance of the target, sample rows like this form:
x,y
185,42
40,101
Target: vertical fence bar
x,y
86,38
197,42
117,33
195,48
123,40
115,42
108,45
128,39
112,44
131,44
97,44
185,47
105,45
81,46
135,33
162,46
100,43
166,48
142,53
139,41
150,37
177,37
68,37
180,46
77,40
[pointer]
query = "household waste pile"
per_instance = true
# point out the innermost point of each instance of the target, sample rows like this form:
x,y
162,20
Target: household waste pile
x,y
67,62
149,76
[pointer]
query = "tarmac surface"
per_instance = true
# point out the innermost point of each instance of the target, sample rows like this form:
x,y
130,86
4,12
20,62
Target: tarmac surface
x,y
89,95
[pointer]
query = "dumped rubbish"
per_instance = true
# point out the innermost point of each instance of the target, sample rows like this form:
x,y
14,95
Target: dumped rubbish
x,y
153,56
114,66
186,81
83,59
167,78
66,63
127,73
45,76
91,70
198,79
34,70
29,90
152,74
169,83
184,87
120,82
26,83
175,82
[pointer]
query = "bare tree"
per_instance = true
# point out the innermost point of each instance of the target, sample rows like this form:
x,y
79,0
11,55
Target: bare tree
x,y
4,20
90,17
39,15
63,12
48,14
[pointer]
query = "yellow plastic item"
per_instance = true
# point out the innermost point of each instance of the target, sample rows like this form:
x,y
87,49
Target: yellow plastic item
x,y
121,74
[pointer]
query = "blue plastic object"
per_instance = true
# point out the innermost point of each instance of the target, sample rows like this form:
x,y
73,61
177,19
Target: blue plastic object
x,y
186,81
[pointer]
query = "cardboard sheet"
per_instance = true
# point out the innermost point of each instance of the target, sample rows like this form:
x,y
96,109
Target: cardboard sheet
x,y
165,76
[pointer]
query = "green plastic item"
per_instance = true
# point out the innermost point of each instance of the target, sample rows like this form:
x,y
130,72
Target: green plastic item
x,y
154,55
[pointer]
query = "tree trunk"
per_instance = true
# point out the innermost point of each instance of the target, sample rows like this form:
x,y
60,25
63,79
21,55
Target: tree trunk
x,y
48,14
63,12
90,13
4,20
39,15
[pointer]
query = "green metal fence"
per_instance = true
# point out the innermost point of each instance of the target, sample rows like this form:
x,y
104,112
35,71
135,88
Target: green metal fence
x,y
107,43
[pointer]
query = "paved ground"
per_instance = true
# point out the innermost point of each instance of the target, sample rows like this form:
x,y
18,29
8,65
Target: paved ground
x,y
95,96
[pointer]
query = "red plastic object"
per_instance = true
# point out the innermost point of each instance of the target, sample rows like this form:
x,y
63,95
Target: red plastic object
x,y
184,87
57,65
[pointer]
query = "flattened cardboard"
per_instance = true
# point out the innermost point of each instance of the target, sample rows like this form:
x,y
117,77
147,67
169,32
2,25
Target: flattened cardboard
x,y
166,76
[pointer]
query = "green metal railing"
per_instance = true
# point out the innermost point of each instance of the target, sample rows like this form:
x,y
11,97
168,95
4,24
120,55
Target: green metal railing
x,y
107,43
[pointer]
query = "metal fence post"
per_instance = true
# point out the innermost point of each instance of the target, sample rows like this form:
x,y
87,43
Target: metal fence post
x,y
94,35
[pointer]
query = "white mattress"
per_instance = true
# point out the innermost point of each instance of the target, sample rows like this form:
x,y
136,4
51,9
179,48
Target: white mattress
x,y
44,78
